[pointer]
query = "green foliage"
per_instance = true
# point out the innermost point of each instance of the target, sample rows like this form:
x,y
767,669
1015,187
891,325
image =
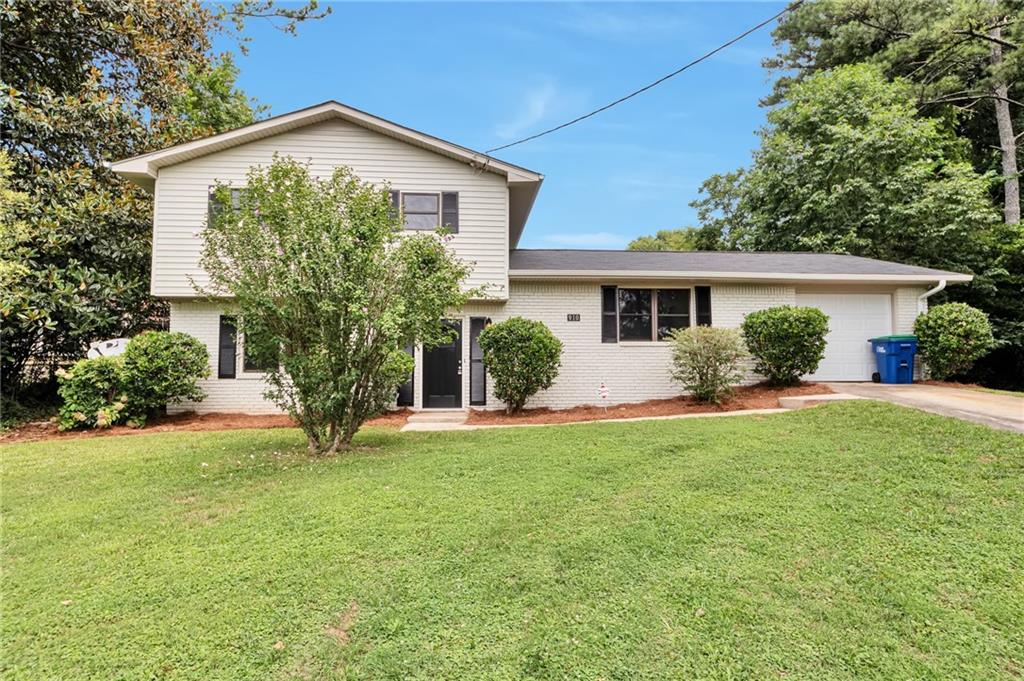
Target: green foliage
x,y
847,166
161,368
951,337
786,341
708,361
942,48
92,394
211,103
84,84
945,52
852,540
685,239
156,369
323,274
522,357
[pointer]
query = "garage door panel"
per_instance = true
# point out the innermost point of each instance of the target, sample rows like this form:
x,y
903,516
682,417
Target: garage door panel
x,y
853,319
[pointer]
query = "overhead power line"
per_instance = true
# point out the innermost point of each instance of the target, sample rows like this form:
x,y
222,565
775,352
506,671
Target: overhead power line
x,y
645,88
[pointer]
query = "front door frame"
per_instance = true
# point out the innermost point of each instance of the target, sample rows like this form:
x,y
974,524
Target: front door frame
x,y
455,367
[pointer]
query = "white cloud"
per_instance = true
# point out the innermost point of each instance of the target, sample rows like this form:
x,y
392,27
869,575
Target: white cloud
x,y
626,26
537,104
587,240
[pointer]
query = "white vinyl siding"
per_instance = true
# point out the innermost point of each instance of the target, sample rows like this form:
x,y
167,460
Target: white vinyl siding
x,y
180,209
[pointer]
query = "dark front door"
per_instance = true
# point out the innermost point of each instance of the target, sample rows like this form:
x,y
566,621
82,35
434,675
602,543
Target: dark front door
x,y
442,373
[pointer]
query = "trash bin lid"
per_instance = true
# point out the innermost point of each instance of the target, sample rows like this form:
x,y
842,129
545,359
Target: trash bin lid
x,y
895,338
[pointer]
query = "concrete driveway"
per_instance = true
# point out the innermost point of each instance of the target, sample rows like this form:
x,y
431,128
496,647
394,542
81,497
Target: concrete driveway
x,y
991,409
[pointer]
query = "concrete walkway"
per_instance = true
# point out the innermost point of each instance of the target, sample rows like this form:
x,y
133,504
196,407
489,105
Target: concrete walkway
x,y
992,409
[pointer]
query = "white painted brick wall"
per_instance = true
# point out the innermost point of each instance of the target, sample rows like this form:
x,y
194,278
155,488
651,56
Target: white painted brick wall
x,y
632,372
904,308
243,394
904,312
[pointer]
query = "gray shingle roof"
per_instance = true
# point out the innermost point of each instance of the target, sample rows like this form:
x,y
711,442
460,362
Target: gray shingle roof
x,y
714,262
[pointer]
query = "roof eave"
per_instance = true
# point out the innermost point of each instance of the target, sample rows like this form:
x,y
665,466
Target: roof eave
x,y
152,161
795,277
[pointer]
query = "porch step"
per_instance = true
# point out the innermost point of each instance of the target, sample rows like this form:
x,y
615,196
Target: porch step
x,y
801,401
439,416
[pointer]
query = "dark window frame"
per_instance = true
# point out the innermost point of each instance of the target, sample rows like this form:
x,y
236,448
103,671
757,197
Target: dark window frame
x,y
213,207
226,322
249,365
610,292
409,387
477,363
447,209
406,213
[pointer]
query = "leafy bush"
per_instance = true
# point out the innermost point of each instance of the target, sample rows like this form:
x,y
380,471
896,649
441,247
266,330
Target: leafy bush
x,y
161,368
378,288
522,356
950,337
92,394
707,361
786,341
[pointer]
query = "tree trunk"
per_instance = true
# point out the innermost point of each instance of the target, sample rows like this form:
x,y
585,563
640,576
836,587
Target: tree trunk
x,y
1007,143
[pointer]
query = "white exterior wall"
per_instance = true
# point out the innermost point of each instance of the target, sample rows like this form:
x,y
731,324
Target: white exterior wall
x,y
243,394
632,371
181,196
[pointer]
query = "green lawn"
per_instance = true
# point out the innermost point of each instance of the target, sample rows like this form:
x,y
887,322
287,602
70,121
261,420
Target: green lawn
x,y
848,541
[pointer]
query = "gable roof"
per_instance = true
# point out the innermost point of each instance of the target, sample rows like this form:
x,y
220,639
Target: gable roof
x,y
736,265
523,183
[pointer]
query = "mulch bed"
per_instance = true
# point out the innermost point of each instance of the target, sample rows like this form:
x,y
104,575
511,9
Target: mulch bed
x,y
758,396
47,430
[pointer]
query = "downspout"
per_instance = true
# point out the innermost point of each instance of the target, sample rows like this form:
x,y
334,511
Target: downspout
x,y
922,300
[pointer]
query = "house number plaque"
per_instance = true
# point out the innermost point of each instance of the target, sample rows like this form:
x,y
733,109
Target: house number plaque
x,y
572,317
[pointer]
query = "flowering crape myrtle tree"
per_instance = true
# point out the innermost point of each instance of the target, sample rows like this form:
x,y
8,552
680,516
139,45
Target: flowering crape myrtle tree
x,y
329,290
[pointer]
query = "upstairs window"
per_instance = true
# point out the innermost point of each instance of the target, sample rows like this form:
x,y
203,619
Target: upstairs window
x,y
426,211
215,207
642,314
421,211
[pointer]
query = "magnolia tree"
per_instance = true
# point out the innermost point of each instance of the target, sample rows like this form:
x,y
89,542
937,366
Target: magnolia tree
x,y
329,287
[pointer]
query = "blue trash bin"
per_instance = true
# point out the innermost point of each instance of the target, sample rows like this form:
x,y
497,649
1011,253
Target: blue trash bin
x,y
895,358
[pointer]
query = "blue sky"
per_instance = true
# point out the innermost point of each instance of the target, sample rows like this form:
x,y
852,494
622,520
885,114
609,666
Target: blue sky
x,y
484,74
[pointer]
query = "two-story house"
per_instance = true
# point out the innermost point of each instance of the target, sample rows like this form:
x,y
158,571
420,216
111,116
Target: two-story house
x,y
611,309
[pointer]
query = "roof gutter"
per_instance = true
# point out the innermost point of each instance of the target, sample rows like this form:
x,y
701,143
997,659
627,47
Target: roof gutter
x,y
922,300
732,276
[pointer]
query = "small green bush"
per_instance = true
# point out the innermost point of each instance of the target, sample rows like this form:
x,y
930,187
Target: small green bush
x,y
522,357
951,337
160,368
786,341
707,361
92,394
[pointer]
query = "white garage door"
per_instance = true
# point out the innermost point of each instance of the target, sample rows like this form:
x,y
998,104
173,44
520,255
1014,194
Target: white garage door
x,y
853,319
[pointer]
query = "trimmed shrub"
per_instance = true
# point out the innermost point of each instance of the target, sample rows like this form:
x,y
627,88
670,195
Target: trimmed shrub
x,y
522,356
951,337
92,394
160,368
786,341
707,361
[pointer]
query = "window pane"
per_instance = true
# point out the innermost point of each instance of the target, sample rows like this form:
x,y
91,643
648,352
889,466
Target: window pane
x,y
420,203
635,301
421,221
674,301
635,327
667,323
